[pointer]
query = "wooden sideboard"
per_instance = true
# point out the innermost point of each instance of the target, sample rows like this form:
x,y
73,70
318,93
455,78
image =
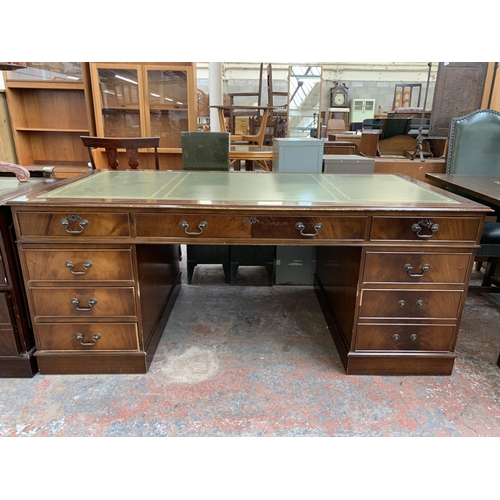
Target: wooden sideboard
x,y
99,256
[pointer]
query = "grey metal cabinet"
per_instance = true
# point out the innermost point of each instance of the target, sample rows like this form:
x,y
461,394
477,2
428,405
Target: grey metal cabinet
x,y
298,155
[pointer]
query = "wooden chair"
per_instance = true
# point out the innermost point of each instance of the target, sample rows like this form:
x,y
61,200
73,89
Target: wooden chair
x,y
335,126
474,148
130,144
233,114
279,114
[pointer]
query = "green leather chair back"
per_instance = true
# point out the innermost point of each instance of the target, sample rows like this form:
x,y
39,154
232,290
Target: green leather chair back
x,y
474,145
205,150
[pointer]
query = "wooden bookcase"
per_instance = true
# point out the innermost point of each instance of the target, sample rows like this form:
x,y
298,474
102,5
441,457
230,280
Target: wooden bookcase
x,y
50,108
143,100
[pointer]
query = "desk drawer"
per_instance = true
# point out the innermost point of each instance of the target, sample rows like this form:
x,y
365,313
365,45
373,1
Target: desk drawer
x,y
74,224
84,302
78,265
192,226
417,267
416,304
425,229
87,337
405,337
310,228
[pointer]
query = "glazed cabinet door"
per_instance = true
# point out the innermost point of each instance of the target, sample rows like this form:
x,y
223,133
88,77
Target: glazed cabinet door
x,y
168,110
144,100
117,99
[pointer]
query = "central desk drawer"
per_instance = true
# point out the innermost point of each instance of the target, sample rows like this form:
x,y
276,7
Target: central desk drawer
x,y
416,267
84,302
192,226
78,265
73,224
87,336
255,227
438,304
299,227
425,228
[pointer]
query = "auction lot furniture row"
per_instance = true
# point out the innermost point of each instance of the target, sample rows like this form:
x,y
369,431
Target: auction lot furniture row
x,y
100,260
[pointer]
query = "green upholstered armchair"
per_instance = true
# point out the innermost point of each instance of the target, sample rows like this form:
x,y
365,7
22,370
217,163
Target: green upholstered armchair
x,y
474,148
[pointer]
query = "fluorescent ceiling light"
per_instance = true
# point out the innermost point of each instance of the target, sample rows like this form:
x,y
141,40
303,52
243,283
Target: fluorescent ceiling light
x,y
126,79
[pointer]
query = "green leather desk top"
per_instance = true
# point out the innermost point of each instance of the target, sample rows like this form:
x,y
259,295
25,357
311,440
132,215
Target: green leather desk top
x,y
249,188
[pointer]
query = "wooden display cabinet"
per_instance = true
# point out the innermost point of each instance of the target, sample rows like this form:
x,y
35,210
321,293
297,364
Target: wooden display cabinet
x,y
143,100
50,109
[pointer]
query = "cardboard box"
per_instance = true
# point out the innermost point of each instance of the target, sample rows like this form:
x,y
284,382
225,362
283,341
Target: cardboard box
x,y
242,125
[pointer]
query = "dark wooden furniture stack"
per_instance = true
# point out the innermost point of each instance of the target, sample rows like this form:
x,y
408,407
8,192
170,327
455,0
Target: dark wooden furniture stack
x,y
17,344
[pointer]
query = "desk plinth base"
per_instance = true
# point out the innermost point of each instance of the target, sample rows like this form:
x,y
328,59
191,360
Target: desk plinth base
x,y
18,367
381,363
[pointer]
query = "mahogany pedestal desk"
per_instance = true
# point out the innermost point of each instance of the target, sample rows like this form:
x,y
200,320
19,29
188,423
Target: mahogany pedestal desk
x,y
100,261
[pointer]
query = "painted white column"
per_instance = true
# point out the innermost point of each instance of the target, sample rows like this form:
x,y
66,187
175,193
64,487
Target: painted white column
x,y
216,97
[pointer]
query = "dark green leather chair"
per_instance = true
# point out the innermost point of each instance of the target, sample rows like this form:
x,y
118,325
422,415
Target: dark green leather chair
x,y
474,148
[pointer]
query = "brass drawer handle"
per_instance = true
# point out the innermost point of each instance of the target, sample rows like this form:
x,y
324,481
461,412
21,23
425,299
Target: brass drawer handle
x,y
427,224
300,227
72,219
202,225
86,266
409,268
76,303
95,338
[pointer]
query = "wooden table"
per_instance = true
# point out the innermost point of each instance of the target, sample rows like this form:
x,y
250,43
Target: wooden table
x,y
100,260
263,156
485,188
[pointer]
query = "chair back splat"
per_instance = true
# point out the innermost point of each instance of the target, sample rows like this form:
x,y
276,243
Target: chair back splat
x,y
130,144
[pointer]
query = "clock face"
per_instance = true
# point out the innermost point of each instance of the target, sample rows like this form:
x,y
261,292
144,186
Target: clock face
x,y
339,99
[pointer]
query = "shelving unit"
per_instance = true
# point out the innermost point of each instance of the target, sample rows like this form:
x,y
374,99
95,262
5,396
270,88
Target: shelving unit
x,y
143,100
50,109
